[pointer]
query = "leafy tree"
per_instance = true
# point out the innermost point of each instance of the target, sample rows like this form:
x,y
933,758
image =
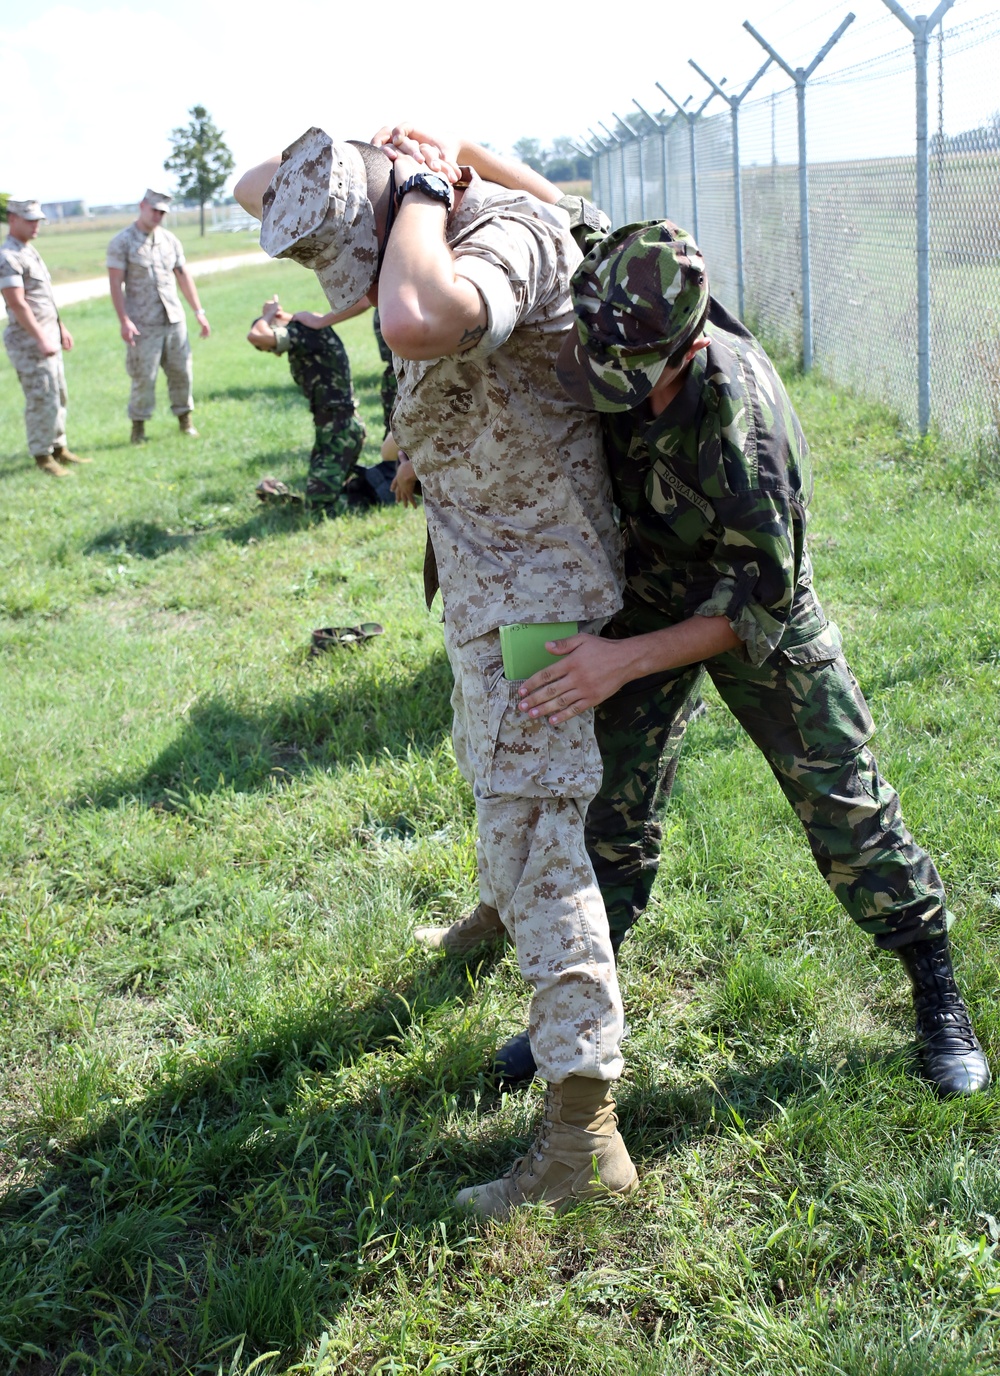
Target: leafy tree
x,y
4,195
530,151
201,160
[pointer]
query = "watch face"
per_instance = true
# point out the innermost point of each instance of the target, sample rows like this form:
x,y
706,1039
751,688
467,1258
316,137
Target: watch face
x,y
431,184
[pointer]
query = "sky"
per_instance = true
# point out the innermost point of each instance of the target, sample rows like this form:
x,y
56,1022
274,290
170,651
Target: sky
x,y
91,89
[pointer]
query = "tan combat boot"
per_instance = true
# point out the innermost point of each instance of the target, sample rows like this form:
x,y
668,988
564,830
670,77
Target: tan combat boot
x,y
578,1153
481,927
49,465
138,432
63,455
187,425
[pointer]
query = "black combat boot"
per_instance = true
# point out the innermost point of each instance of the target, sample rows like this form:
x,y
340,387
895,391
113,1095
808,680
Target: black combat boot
x,y
513,1063
953,1059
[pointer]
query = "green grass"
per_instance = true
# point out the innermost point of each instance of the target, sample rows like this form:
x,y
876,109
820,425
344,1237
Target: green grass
x,y
238,1101
75,250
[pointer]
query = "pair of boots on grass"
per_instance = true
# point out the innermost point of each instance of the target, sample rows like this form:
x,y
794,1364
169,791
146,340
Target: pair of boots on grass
x,y
578,1152
184,422
54,464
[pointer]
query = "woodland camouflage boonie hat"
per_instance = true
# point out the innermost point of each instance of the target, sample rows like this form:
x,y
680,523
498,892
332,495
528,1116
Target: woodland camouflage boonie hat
x,y
316,211
638,297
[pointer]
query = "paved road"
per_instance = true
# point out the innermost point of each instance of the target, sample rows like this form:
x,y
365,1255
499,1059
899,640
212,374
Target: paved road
x,y
69,293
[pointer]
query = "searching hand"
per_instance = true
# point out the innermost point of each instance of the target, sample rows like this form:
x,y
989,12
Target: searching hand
x,y
589,671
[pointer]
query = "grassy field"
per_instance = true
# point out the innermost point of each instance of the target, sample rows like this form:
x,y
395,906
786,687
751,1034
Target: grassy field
x,y
237,1100
75,249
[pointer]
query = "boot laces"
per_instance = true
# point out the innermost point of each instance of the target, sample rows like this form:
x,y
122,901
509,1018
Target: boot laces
x,y
944,1026
941,1012
536,1152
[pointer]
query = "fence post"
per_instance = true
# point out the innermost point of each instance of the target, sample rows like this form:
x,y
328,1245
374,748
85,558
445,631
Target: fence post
x,y
588,153
642,188
657,124
921,27
734,103
621,165
800,75
692,118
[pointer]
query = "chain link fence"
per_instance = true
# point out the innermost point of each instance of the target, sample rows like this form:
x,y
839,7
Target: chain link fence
x,y
864,214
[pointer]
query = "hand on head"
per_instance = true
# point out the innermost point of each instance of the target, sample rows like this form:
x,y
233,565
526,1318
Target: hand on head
x,y
406,140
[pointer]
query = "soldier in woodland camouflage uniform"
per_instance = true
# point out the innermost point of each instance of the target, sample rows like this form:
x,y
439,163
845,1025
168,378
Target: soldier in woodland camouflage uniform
x,y
472,288
321,370
711,473
35,338
387,386
146,265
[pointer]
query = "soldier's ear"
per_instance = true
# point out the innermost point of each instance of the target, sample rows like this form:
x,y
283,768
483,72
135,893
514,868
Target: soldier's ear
x,y
696,346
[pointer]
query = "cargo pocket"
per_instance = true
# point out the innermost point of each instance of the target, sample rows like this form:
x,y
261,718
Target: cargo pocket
x,y
828,707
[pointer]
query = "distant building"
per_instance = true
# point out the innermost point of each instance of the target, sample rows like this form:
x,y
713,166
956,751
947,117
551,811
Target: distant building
x,y
65,210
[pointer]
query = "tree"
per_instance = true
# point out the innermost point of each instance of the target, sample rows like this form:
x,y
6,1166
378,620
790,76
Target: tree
x,y
3,206
530,152
201,160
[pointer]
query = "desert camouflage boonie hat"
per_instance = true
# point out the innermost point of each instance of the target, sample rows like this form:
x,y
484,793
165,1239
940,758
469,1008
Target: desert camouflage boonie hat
x,y
317,211
638,297
28,210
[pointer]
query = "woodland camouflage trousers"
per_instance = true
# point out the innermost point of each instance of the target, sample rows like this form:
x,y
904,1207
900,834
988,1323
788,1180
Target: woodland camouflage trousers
x,y
811,723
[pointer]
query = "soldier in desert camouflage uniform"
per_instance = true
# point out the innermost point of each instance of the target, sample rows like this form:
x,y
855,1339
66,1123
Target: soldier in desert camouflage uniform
x,y
711,473
145,267
35,338
321,370
472,292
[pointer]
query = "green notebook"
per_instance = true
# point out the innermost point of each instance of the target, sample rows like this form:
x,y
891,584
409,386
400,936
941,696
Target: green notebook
x,y
523,647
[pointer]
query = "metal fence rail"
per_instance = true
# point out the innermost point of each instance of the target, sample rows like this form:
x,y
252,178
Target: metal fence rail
x,y
904,277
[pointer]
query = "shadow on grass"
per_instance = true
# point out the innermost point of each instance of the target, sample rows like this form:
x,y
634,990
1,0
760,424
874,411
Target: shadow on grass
x,y
284,392
256,1194
18,463
140,539
375,711
258,1190
150,540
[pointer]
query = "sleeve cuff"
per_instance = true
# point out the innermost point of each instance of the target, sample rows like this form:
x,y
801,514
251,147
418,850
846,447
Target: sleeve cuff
x,y
501,308
752,622
281,339
15,280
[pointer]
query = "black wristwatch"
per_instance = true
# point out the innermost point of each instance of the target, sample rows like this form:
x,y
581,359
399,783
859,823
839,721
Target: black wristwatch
x,y
431,185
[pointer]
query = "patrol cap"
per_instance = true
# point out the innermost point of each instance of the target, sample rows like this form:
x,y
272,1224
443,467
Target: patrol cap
x,y
638,296
316,211
157,200
28,210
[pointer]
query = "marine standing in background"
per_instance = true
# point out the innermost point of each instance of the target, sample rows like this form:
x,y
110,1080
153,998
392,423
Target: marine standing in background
x,y
146,266
35,338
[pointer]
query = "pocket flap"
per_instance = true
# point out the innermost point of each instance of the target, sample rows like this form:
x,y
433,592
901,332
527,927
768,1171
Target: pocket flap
x,y
820,648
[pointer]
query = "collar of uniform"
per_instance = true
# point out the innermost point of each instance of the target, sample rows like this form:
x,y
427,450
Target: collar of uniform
x,y
683,410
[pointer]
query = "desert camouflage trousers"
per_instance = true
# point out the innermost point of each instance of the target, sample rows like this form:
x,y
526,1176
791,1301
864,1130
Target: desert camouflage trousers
x,y
810,721
43,382
159,346
532,783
